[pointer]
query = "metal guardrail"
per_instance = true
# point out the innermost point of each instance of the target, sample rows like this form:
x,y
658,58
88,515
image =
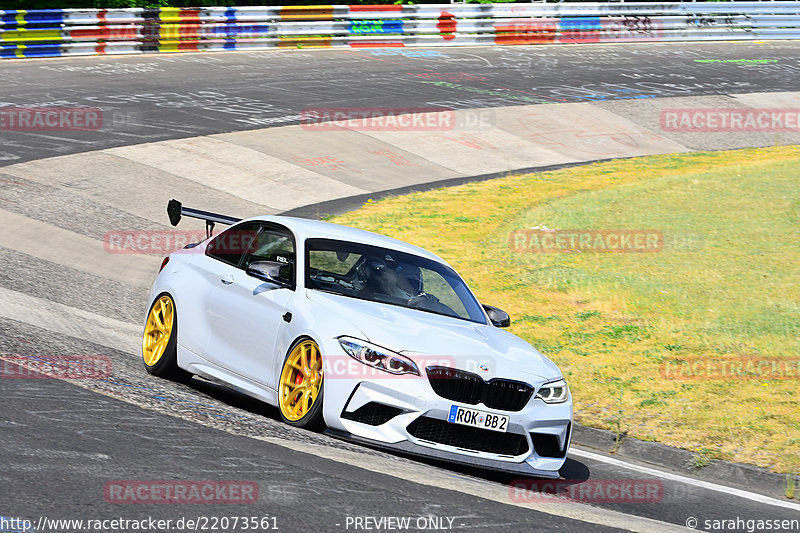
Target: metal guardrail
x,y
59,32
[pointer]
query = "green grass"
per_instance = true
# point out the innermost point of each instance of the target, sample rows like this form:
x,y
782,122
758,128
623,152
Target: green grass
x,y
726,284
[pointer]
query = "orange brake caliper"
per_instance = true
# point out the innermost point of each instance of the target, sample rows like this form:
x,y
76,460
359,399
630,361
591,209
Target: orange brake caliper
x,y
298,381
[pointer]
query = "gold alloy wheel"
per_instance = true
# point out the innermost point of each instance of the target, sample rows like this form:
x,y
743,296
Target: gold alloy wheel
x,y
158,330
301,381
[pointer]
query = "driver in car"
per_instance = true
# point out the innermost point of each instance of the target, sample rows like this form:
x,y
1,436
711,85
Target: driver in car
x,y
400,282
387,277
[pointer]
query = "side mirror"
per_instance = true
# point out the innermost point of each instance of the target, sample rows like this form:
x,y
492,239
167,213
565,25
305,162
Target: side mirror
x,y
497,317
270,271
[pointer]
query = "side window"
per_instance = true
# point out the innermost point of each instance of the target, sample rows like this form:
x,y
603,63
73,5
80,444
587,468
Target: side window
x,y
230,245
275,245
328,261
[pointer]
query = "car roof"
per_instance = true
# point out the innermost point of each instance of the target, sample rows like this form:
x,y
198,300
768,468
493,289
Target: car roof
x,y
304,228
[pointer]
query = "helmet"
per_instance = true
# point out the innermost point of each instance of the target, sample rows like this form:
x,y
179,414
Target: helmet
x,y
409,278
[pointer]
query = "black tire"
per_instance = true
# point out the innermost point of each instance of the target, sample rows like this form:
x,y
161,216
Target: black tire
x,y
166,364
313,419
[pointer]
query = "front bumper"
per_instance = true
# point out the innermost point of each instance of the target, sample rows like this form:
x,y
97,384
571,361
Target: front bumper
x,y
407,447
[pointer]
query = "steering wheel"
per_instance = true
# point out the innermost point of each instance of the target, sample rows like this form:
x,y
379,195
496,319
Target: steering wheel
x,y
430,302
421,299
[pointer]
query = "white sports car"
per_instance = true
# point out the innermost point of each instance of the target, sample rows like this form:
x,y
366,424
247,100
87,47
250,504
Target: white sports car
x,y
374,339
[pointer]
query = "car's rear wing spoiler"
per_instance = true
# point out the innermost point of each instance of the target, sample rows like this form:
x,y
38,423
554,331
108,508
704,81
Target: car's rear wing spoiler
x,y
175,210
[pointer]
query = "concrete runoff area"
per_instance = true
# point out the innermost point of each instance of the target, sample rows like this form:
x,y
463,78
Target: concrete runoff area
x,y
282,168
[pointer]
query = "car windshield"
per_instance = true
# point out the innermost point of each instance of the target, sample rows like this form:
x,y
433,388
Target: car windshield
x,y
389,276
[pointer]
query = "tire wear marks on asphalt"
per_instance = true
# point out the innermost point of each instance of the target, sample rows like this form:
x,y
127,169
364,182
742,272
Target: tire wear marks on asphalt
x,y
151,99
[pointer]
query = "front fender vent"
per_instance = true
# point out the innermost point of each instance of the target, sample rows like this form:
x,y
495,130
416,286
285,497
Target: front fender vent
x,y
372,414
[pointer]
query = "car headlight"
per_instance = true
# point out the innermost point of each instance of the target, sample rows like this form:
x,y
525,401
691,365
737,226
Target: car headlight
x,y
553,392
378,357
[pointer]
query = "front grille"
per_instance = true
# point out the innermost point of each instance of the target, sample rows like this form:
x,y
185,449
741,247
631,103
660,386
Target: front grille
x,y
468,438
373,414
456,385
466,387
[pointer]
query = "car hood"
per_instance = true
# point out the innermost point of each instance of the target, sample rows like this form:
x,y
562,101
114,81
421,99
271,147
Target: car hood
x,y
432,339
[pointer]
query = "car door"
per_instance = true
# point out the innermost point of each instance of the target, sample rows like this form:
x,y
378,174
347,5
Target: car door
x,y
247,312
201,277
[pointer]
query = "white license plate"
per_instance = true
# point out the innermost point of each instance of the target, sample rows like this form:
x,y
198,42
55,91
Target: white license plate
x,y
478,419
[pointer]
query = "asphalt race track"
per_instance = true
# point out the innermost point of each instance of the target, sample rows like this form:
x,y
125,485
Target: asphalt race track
x,y
63,292
155,97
